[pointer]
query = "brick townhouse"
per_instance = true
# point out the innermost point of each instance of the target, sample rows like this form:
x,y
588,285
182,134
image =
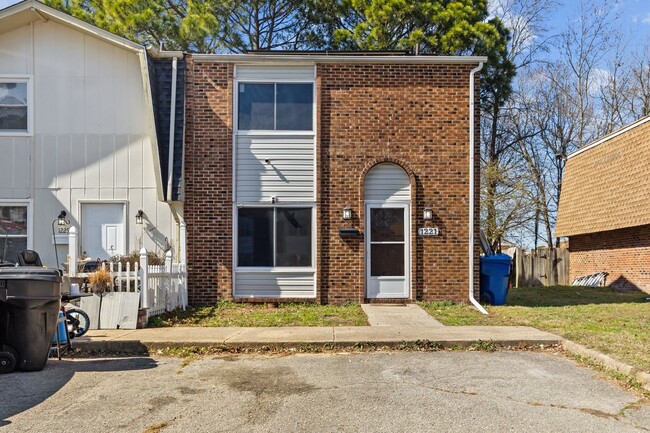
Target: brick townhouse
x,y
331,177
605,207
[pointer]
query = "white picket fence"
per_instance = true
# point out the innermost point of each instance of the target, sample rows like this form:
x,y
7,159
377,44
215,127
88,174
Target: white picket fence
x,y
162,287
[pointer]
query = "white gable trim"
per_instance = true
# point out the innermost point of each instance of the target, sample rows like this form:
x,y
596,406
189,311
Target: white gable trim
x,y
44,12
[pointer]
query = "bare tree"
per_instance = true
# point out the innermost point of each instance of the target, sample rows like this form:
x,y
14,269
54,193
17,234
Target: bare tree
x,y
503,191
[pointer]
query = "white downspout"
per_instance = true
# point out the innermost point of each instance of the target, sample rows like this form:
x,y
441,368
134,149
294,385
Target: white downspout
x,y
172,130
473,300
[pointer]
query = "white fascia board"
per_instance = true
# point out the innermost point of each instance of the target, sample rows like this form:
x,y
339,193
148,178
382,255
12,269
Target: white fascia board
x,y
62,17
306,59
151,123
608,137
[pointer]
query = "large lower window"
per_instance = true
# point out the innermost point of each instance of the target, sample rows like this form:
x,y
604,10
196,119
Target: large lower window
x,y
275,106
13,231
14,106
270,237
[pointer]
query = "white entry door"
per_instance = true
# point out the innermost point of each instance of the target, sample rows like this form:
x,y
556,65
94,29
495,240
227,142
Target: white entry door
x,y
102,229
387,250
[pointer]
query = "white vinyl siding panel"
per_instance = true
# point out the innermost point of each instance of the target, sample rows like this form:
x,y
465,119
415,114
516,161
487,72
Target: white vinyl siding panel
x,y
91,137
387,183
275,284
263,74
288,175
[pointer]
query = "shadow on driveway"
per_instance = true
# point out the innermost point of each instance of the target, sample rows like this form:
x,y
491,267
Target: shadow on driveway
x,y
20,391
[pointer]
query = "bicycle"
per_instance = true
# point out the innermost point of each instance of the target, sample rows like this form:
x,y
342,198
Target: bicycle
x,y
77,320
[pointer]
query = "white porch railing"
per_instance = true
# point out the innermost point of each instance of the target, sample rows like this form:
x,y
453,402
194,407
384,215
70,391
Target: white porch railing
x,y
162,287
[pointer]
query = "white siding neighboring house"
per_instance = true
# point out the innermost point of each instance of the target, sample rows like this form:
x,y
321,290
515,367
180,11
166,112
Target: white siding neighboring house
x,y
77,133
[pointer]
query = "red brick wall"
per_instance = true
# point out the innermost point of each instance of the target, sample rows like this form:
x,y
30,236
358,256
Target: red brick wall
x,y
413,115
208,180
624,254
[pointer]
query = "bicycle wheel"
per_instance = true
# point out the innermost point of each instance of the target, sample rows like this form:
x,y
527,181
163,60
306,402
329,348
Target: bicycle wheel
x,y
78,322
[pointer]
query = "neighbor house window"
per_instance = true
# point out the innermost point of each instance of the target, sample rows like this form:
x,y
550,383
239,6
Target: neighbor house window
x,y
276,106
270,237
13,231
15,109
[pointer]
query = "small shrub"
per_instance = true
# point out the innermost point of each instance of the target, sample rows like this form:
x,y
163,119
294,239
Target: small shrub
x,y
134,257
100,281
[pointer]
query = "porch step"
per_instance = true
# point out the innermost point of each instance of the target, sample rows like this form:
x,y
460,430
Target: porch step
x,y
398,315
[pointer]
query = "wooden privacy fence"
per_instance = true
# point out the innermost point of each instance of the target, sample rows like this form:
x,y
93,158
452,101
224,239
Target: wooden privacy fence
x,y
546,267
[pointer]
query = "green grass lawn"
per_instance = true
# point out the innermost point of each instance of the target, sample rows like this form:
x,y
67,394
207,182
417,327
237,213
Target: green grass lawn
x,y
227,313
615,323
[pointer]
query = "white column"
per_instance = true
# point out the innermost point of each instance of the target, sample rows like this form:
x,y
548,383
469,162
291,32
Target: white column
x,y
144,293
72,252
183,243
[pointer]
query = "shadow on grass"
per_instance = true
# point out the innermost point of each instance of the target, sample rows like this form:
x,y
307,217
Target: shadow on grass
x,y
561,296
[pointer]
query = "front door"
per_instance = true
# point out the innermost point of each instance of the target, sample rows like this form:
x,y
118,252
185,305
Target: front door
x,y
387,251
102,230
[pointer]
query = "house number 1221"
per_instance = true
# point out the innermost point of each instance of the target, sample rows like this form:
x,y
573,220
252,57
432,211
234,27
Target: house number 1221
x,y
428,231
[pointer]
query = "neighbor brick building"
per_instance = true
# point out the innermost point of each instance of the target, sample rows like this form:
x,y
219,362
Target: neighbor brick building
x,y
605,207
308,176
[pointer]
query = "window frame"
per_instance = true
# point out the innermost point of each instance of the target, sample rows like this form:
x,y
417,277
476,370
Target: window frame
x,y
28,79
311,268
274,82
28,203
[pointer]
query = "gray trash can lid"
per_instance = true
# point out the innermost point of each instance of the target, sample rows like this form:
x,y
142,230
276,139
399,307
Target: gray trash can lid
x,y
30,273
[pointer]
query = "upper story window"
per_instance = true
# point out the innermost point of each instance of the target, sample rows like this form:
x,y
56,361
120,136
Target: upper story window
x,y
15,110
276,106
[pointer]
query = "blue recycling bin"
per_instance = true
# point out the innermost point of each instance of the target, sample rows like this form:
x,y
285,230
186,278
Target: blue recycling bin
x,y
495,273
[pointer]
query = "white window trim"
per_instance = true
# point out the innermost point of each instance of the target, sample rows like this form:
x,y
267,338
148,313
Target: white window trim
x,y
274,269
29,203
29,79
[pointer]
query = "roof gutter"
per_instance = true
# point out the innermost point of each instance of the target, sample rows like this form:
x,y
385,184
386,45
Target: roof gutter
x,y
472,145
329,58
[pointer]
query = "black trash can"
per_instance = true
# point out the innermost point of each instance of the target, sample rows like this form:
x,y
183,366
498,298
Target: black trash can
x,y
29,307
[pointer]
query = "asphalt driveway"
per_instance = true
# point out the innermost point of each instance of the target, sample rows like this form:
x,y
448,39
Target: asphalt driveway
x,y
378,392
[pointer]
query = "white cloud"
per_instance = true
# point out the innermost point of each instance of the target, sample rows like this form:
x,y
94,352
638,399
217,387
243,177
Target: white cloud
x,y
646,19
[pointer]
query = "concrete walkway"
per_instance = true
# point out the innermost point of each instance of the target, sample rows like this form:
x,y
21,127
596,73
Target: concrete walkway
x,y
136,341
398,315
390,325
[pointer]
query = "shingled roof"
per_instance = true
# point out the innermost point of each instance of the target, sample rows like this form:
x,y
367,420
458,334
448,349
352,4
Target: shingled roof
x,y
606,184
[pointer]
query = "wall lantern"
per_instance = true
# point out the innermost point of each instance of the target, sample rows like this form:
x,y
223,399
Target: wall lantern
x,y
138,217
347,213
427,214
61,218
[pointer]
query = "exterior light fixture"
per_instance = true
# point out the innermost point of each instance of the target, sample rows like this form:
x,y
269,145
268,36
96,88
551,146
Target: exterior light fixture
x,y
60,221
138,217
347,213
427,214
61,218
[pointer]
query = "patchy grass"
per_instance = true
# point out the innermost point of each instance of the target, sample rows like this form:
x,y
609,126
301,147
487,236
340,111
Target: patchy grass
x,y
614,323
228,313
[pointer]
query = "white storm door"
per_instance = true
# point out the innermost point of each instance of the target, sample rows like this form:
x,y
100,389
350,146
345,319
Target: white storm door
x,y
102,230
387,251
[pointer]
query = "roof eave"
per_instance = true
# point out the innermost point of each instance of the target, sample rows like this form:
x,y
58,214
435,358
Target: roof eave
x,y
325,58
